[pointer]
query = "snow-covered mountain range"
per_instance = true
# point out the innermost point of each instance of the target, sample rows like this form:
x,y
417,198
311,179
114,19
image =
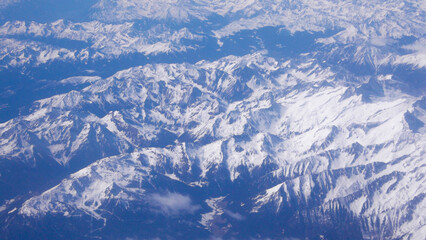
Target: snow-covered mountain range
x,y
213,119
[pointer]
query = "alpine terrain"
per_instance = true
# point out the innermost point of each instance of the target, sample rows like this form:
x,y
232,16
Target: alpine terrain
x,y
213,119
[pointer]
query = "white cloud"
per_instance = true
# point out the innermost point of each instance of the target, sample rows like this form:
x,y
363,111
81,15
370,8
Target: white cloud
x,y
6,3
235,216
417,58
173,203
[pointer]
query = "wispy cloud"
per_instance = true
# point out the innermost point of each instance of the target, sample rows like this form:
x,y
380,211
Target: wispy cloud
x,y
6,3
173,203
235,216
